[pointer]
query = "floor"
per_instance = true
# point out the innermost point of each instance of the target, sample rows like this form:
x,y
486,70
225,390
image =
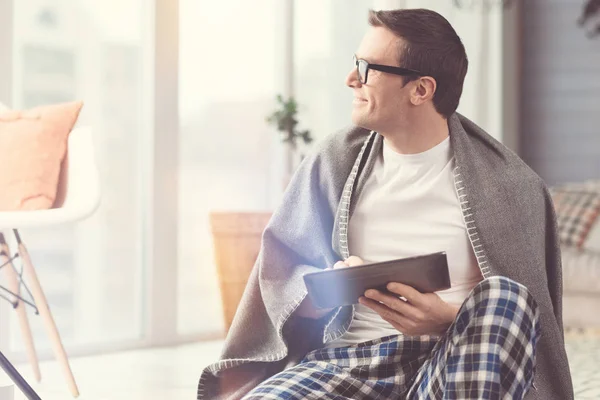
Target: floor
x,y
150,374
583,350
172,373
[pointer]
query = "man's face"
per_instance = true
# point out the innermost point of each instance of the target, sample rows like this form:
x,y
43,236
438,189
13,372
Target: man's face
x,y
383,100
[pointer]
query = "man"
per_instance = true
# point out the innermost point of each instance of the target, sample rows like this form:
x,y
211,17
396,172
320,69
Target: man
x,y
413,177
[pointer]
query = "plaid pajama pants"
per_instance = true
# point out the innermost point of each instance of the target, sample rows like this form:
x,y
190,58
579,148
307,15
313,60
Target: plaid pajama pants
x,y
487,353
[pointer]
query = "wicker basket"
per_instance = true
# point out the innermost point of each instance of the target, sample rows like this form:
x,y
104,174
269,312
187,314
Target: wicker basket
x,y
237,239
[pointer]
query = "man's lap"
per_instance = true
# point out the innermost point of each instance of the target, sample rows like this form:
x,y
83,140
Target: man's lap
x,y
401,366
381,367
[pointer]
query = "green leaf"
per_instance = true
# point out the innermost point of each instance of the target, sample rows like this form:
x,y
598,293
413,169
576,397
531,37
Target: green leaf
x,y
284,118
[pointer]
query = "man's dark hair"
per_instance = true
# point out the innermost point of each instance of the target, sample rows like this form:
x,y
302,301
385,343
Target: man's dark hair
x,y
430,46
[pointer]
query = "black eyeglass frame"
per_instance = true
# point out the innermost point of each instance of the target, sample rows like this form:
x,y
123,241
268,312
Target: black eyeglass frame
x,y
383,68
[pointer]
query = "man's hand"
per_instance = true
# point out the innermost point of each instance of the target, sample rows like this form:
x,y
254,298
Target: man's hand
x,y
352,261
306,308
419,314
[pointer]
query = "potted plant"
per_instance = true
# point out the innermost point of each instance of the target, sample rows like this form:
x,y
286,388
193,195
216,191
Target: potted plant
x,y
285,120
237,235
591,13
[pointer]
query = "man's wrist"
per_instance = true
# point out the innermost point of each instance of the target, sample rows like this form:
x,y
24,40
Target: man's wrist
x,y
452,313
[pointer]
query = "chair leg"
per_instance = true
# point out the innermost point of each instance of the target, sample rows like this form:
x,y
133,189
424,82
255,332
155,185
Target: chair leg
x,y
13,286
44,310
17,378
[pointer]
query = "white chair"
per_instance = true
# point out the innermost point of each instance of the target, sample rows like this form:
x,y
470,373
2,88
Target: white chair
x,y
78,196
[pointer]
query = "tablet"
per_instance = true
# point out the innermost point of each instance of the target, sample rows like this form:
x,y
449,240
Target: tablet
x,y
343,286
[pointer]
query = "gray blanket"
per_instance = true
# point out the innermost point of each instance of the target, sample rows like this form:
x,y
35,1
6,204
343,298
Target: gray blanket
x,y
511,224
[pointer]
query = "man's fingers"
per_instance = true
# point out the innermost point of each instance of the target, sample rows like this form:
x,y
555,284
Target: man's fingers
x,y
384,311
354,261
399,321
409,293
394,303
351,261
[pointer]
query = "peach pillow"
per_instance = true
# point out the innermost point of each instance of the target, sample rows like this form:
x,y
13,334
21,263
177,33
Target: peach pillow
x,y
33,144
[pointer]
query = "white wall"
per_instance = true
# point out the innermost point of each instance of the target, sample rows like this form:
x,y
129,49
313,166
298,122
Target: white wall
x,y
560,93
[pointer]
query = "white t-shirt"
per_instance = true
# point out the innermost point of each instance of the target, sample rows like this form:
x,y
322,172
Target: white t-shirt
x,y
409,207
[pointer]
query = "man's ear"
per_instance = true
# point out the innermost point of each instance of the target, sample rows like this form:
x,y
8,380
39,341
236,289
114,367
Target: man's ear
x,y
423,91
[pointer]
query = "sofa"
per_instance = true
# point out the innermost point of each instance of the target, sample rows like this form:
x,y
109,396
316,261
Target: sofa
x,y
577,208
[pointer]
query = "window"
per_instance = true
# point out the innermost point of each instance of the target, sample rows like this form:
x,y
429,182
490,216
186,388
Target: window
x,y
327,34
91,272
230,72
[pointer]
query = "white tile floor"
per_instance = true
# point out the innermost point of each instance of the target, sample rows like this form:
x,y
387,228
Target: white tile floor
x,y
172,373
150,374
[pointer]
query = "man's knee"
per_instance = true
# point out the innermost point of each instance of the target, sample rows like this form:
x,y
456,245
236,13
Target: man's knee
x,y
500,301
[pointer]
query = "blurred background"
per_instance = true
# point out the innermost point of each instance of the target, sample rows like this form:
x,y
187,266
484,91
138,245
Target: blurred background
x,y
177,92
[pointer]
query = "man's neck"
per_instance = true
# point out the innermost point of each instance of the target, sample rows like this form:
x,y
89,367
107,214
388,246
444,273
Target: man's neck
x,y
417,136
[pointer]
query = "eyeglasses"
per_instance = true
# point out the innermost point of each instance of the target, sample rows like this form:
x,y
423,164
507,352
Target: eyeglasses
x,y
363,67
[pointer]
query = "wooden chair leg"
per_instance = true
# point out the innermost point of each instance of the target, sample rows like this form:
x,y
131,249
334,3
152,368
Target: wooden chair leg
x,y
13,286
48,320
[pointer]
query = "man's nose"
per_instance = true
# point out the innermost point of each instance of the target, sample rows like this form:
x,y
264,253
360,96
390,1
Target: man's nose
x,y
352,80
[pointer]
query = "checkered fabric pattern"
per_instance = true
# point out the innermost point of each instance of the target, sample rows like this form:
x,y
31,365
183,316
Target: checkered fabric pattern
x,y
577,208
488,352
